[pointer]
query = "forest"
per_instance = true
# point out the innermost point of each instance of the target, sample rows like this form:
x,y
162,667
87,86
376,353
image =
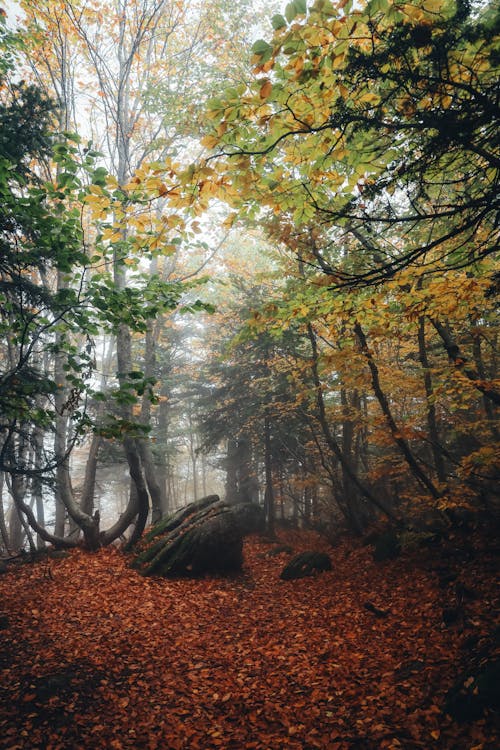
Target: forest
x,y
249,448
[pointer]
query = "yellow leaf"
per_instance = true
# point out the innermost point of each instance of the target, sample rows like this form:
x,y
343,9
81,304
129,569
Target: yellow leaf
x,y
93,200
209,141
221,128
111,234
370,97
229,221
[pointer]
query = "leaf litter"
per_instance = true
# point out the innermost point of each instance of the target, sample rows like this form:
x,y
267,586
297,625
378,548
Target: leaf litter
x,y
94,655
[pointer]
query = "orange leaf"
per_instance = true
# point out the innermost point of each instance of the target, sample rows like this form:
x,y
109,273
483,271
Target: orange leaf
x,y
265,89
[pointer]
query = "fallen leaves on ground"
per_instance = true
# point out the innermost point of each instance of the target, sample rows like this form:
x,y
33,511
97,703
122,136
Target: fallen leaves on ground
x,y
94,656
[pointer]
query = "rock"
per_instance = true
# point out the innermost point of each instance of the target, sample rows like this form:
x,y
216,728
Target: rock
x,y
216,546
3,567
475,693
204,537
306,564
386,546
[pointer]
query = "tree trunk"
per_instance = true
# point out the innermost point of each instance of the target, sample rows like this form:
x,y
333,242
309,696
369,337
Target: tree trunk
x,y
431,409
457,358
145,451
134,462
330,438
87,501
3,527
488,405
87,523
36,484
231,464
415,468
269,504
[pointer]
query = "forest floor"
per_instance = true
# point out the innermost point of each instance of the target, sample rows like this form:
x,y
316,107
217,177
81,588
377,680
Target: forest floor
x,y
358,658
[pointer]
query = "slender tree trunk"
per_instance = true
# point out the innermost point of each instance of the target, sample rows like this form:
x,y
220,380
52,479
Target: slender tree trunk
x,y
403,446
192,454
459,360
488,405
61,429
350,500
231,464
165,469
145,451
331,440
204,475
36,485
432,425
3,526
16,533
87,501
132,453
269,504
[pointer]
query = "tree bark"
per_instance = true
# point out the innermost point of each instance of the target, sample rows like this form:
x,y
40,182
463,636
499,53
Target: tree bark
x,y
329,437
3,526
415,468
269,503
432,425
87,501
457,358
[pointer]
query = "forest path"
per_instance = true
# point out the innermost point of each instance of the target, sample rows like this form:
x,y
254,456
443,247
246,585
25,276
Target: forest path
x,y
94,656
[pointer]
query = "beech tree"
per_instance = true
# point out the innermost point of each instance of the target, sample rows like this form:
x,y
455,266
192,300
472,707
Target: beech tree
x,y
380,122
137,85
369,135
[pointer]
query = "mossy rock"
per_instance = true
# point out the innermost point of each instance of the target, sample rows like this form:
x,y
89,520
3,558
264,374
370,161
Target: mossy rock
x,y
204,537
306,564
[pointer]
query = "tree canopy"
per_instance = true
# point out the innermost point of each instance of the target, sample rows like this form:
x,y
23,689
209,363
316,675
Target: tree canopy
x,y
270,262
379,124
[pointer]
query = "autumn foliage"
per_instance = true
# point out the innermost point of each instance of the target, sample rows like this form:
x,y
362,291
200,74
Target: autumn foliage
x,y
93,655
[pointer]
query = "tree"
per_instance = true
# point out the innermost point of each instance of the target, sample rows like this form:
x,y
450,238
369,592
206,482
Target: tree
x,y
379,121
369,135
141,86
40,237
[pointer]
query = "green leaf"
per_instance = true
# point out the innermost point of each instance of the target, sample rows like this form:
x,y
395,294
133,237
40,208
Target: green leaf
x,y
99,176
290,12
262,49
278,21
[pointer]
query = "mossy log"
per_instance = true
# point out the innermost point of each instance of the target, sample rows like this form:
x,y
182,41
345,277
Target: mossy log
x,y
204,537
